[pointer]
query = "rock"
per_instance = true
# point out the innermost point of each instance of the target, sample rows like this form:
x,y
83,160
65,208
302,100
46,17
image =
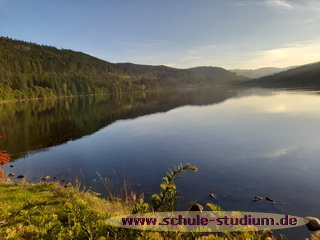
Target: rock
x,y
213,195
313,224
196,207
258,198
10,175
45,178
12,165
20,176
269,199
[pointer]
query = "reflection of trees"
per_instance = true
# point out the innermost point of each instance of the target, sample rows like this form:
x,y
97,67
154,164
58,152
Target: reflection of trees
x,y
34,125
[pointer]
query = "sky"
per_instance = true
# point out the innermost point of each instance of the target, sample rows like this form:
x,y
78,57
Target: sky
x,y
242,34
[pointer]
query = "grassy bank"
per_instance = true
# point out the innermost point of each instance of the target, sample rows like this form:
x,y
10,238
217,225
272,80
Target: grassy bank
x,y
52,211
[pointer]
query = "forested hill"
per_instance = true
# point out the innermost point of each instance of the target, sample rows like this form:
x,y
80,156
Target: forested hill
x,y
155,75
260,72
160,75
29,70
306,76
217,75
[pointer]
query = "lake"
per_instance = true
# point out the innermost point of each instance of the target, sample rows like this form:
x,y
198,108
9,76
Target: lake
x,y
245,143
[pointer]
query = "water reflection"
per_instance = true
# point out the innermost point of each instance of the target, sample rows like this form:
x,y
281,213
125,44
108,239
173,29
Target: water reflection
x,y
245,144
29,126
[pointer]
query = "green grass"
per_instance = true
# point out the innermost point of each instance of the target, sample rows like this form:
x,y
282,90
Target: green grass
x,y
51,211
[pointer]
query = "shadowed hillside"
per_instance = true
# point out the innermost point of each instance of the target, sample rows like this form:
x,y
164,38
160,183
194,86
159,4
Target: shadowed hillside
x,y
217,75
306,76
260,72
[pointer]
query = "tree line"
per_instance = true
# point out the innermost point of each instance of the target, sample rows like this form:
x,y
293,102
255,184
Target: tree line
x,y
306,76
29,70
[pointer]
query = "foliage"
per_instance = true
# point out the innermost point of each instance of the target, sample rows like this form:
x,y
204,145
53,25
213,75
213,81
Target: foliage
x,y
168,196
315,236
217,74
214,207
51,211
306,76
167,199
4,159
28,70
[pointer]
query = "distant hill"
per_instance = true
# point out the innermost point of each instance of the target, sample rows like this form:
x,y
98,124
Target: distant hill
x,y
153,75
157,76
29,70
217,75
306,76
260,72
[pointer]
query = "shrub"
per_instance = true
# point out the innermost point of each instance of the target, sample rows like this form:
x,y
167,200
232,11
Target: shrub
x,y
4,159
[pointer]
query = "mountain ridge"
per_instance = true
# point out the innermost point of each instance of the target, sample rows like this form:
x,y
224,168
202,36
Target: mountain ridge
x,y
29,70
305,76
260,72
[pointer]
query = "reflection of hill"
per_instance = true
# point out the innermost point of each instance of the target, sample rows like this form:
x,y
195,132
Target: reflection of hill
x,y
33,125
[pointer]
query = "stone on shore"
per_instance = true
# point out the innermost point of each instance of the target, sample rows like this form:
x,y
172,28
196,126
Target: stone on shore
x,y
45,178
313,224
196,207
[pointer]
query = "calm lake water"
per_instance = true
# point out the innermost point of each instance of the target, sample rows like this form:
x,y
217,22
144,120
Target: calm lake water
x,y
244,142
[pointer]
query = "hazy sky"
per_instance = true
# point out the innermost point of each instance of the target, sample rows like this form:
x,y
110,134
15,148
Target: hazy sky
x,y
178,33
